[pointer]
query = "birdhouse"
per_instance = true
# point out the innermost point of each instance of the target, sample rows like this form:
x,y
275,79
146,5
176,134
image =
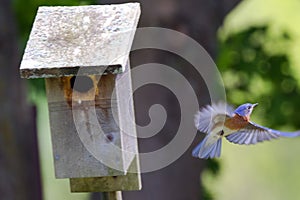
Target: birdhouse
x,y
83,54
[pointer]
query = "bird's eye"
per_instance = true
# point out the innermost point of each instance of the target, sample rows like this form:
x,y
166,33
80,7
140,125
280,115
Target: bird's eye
x,y
249,107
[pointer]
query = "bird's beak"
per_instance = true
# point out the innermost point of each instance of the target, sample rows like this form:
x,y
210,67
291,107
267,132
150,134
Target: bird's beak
x,y
254,105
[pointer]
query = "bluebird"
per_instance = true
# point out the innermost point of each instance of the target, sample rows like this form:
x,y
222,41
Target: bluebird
x,y
221,120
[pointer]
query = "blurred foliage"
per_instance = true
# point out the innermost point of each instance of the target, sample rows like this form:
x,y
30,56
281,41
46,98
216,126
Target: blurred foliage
x,y
213,167
25,12
256,68
206,194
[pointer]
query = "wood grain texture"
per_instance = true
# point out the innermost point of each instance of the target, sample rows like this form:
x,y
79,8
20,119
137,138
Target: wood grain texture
x,y
131,181
91,132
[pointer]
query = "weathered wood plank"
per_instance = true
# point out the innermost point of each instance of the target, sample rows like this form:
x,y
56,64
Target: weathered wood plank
x,y
73,127
131,181
124,94
91,128
65,39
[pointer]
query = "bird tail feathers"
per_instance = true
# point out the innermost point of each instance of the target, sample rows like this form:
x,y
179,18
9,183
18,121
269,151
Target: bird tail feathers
x,y
210,147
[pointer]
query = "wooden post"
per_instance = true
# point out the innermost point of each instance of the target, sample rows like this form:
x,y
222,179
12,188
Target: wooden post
x,y
117,195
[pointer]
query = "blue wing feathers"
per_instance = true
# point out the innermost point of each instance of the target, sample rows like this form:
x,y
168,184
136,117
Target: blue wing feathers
x,y
287,134
196,150
254,133
208,149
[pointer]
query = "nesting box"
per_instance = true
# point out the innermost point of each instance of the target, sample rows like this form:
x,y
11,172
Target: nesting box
x,y
83,54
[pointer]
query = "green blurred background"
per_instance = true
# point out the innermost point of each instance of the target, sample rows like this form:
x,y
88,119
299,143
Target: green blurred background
x,y
258,58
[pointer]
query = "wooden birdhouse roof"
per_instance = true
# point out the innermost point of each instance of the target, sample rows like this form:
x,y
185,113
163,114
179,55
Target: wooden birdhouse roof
x,y
91,39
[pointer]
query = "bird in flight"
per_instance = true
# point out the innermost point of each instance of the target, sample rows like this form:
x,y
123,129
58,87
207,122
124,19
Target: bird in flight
x,y
221,120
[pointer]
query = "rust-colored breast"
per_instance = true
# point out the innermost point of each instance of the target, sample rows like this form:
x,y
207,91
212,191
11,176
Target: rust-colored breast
x,y
236,122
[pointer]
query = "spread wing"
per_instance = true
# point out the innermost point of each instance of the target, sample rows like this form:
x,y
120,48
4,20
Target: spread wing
x,y
210,115
254,133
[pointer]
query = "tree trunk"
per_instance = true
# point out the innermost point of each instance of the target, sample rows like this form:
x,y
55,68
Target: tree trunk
x,y
19,166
